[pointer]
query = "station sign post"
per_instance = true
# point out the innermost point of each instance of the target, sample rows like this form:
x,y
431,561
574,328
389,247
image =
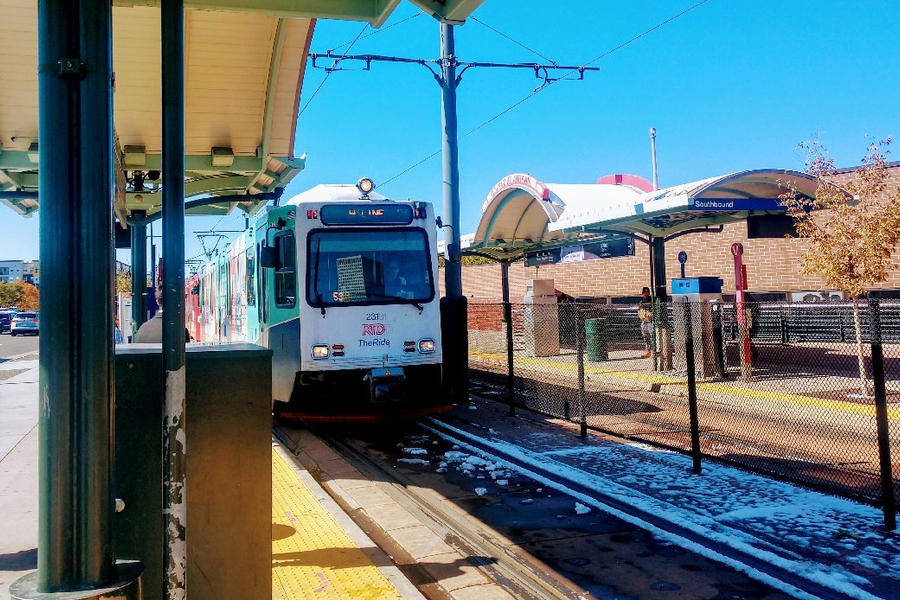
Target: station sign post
x,y
743,316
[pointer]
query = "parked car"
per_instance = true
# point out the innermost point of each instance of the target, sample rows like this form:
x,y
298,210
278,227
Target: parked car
x,y
24,322
6,317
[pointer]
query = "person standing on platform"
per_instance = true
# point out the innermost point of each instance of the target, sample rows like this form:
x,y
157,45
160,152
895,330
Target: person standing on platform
x,y
151,331
645,316
118,337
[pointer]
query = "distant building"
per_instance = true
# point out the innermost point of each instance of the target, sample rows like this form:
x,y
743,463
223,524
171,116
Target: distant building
x,y
19,270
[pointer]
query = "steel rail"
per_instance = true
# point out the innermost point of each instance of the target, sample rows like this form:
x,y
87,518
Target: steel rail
x,y
530,578
750,562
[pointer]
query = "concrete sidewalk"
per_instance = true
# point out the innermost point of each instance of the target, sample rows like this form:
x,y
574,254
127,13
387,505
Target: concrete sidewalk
x,y
18,477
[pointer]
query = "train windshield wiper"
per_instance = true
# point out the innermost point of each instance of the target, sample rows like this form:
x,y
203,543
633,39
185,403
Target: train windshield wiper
x,y
401,298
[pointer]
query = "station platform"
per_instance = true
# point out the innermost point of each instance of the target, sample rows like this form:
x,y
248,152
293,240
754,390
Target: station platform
x,y
317,549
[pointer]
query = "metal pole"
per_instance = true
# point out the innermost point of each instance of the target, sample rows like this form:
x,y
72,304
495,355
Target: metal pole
x,y
510,355
653,158
450,151
174,449
663,348
692,386
138,273
75,549
579,350
453,304
889,502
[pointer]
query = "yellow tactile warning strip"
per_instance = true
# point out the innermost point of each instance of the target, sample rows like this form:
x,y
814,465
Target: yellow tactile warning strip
x,y
847,407
312,557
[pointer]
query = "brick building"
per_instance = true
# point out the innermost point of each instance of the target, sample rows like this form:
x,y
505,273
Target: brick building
x,y
773,267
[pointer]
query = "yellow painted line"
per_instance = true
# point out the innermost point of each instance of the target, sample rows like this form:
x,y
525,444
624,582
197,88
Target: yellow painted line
x,y
312,556
718,388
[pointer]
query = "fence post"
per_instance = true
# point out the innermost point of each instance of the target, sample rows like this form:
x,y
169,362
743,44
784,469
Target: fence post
x,y
692,385
889,505
579,350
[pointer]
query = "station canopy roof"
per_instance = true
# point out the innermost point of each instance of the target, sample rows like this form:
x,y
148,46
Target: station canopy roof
x,y
522,214
244,67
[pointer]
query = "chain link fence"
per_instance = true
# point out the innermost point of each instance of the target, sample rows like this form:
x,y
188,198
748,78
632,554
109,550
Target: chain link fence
x,y
809,393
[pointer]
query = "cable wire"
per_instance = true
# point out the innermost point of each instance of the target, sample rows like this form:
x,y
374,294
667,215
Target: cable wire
x,y
377,31
514,41
544,87
328,74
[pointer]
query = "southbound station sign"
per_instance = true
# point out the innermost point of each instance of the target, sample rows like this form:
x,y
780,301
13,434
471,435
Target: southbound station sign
x,y
736,204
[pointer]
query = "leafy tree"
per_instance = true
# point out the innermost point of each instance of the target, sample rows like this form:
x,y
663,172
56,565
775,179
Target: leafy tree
x,y
123,280
20,294
852,240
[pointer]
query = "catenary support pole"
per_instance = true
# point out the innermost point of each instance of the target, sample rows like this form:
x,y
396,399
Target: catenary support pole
x,y
453,314
75,549
510,354
174,448
138,273
889,502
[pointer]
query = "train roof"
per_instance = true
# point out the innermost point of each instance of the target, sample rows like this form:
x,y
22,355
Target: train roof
x,y
333,193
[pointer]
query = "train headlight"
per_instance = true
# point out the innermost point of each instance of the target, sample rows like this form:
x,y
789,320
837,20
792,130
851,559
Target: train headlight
x,y
365,185
426,346
320,351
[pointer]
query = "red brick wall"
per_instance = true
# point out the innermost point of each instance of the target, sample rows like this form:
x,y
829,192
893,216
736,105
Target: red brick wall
x,y
773,265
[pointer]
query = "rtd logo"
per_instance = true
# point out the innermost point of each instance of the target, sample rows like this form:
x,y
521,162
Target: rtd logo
x,y
373,329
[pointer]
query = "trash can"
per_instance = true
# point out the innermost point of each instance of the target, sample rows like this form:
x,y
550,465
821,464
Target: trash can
x,y
596,340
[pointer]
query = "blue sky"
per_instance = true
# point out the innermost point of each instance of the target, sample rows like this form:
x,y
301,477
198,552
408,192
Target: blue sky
x,y
729,86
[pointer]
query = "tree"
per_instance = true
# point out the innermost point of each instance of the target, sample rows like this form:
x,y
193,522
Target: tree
x,y
20,294
123,280
851,242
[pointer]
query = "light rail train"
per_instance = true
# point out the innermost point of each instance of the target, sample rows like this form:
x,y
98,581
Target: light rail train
x,y
341,284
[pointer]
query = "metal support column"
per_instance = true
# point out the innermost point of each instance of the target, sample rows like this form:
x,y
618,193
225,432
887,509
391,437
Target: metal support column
x,y
453,304
75,550
138,272
510,355
663,354
174,461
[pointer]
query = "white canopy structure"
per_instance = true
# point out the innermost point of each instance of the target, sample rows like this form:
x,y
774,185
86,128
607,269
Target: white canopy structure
x,y
523,214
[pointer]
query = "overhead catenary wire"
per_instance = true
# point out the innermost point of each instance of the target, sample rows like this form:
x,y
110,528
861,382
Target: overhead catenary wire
x,y
377,31
514,41
328,74
549,83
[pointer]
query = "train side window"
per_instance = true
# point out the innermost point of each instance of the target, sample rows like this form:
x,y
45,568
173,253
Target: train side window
x,y
249,277
285,270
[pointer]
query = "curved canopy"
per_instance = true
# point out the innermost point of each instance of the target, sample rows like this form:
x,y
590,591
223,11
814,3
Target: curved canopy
x,y
244,68
522,214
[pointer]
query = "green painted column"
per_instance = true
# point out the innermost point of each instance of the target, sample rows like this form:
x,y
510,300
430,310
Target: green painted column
x,y
173,426
75,548
138,272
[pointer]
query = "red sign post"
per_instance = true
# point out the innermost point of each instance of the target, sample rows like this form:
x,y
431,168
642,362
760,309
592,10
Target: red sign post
x,y
743,316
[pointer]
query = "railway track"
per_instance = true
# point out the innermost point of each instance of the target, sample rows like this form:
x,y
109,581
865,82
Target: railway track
x,y
501,560
512,562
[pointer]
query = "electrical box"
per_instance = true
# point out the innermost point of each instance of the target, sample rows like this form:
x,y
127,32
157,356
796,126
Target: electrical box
x,y
703,298
541,318
228,417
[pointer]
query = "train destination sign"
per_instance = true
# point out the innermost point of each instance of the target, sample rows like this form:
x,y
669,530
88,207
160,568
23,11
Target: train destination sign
x,y
736,204
365,214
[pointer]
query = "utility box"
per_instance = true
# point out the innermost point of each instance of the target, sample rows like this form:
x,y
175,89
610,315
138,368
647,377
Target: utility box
x,y
703,296
541,318
228,461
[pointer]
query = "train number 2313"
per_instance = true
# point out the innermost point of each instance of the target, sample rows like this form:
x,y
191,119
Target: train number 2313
x,y
375,316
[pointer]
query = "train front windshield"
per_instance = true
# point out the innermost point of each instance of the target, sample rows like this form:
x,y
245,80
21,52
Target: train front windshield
x,y
368,266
